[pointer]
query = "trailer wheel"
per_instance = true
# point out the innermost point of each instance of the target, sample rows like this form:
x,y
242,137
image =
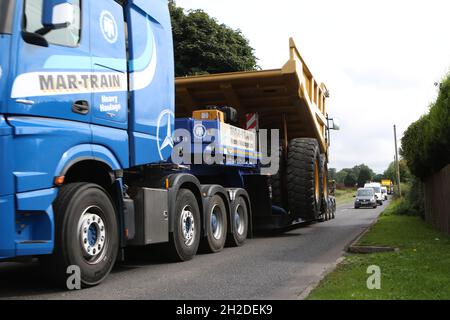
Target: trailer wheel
x,y
239,215
185,239
216,222
86,234
303,178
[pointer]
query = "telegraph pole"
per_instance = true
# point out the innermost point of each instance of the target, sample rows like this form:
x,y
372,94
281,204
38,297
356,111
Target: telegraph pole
x,y
397,162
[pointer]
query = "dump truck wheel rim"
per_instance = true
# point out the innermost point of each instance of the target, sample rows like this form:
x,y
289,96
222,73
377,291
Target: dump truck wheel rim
x,y
93,235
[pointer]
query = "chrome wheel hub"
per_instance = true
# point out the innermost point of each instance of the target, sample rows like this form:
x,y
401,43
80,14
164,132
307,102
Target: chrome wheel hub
x,y
188,226
92,235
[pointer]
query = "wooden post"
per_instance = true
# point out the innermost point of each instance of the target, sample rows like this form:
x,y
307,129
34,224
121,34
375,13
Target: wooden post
x,y
397,164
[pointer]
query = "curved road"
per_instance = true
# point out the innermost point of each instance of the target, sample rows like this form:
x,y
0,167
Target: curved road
x,y
277,267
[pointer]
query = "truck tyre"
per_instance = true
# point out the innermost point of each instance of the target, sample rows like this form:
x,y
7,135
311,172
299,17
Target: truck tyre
x,y
216,225
240,218
185,238
303,178
278,191
86,235
325,210
333,208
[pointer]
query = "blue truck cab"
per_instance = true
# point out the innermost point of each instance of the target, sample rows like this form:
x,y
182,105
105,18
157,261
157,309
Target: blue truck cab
x,y
66,101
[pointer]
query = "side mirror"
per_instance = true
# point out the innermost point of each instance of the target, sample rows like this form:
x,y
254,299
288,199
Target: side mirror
x,y
354,196
335,124
57,14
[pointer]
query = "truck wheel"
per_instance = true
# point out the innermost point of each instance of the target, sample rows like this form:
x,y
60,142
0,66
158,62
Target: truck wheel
x,y
333,208
277,182
86,234
303,178
239,214
185,238
325,210
216,222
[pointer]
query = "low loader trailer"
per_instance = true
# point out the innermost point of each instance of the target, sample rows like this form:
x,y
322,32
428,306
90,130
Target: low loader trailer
x,y
102,149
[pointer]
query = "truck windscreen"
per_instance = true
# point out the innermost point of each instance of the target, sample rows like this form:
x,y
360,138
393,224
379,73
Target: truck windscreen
x,y
6,15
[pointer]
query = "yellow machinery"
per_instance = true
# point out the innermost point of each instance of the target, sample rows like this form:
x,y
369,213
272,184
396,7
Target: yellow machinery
x,y
208,115
288,99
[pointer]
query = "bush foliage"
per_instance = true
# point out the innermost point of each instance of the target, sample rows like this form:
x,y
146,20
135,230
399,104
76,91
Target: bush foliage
x,y
426,143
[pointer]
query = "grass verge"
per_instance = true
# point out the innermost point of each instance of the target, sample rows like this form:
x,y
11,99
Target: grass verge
x,y
344,195
419,270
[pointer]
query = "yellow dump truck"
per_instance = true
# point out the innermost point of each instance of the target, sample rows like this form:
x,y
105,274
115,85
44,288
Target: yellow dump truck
x,y
292,101
389,185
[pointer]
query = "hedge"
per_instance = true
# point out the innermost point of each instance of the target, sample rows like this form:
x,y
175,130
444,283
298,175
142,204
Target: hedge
x,y
426,143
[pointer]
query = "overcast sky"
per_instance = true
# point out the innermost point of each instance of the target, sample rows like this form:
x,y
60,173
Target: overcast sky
x,y
379,59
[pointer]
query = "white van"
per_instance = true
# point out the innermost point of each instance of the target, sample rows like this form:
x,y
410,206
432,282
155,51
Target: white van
x,y
377,188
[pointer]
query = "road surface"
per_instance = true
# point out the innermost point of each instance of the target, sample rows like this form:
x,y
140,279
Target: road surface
x,y
277,267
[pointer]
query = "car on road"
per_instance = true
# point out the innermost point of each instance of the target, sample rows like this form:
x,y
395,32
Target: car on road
x,y
384,192
377,189
365,197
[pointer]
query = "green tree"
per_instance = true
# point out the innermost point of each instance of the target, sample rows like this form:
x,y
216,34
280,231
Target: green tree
x,y
378,177
342,174
357,170
202,45
365,175
350,180
391,172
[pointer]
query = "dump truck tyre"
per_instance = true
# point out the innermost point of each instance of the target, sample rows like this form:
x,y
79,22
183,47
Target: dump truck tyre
x,y
325,210
277,182
303,178
86,235
216,225
185,238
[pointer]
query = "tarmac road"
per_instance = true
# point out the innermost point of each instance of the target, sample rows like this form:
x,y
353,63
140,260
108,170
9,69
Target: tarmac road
x,y
278,267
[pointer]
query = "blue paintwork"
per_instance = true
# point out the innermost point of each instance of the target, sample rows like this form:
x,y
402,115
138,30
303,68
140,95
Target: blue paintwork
x,y
188,124
7,227
6,161
5,45
32,220
105,58
149,31
38,146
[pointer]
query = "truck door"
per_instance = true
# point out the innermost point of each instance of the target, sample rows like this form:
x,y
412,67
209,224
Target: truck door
x,y
152,81
52,77
109,64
